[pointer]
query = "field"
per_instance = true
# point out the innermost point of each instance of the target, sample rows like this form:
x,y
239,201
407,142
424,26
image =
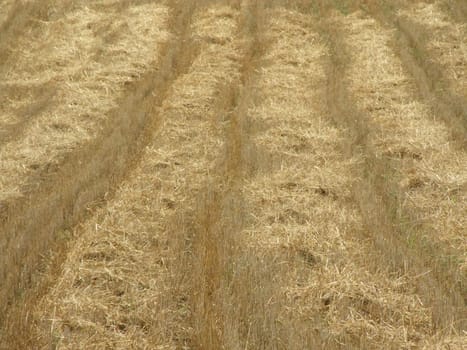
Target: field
x,y
233,174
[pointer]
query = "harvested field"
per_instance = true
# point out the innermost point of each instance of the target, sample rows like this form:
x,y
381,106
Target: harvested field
x,y
233,174
132,231
302,222
66,123
437,37
7,6
427,172
446,44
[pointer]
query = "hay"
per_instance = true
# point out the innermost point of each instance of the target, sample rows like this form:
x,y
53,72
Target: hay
x,y
5,8
239,225
117,285
446,43
78,129
89,62
426,171
302,214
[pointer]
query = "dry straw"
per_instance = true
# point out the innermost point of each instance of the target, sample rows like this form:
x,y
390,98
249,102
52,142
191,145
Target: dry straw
x,y
269,185
78,143
311,272
117,287
413,165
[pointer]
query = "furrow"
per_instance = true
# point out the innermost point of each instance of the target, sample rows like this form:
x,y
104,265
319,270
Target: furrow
x,y
117,287
446,44
413,167
237,174
78,148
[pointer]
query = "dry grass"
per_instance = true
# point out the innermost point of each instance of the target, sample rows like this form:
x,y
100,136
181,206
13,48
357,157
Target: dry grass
x,y
21,25
282,189
104,298
262,278
425,172
447,43
88,62
64,178
435,60
5,10
310,274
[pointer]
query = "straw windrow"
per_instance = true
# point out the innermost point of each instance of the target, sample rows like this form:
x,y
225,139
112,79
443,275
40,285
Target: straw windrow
x,y
302,256
414,176
124,259
234,174
443,56
79,165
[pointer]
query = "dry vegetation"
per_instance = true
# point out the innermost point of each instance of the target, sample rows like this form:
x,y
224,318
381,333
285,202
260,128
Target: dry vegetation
x,y
437,40
233,174
427,171
66,124
122,260
4,12
446,44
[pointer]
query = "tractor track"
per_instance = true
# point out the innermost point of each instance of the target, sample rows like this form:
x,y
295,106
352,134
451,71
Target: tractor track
x,y
303,235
